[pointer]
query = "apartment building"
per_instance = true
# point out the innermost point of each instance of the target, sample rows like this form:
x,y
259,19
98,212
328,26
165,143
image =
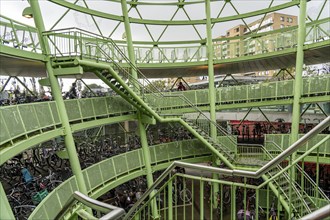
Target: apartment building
x,y
235,47
272,21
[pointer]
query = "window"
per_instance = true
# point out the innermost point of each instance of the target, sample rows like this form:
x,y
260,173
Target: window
x,y
237,29
245,29
228,33
282,26
289,20
282,18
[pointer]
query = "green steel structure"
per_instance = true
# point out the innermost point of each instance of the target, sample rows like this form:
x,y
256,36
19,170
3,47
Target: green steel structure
x,y
124,44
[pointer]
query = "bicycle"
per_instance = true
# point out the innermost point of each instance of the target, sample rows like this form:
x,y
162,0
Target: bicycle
x,y
273,213
251,205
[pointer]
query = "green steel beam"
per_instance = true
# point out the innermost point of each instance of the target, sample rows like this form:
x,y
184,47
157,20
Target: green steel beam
x,y
89,89
265,116
57,94
147,163
100,122
6,211
315,99
85,10
23,84
203,41
211,89
128,32
321,109
170,198
295,120
58,20
13,52
17,25
304,111
173,22
151,111
211,85
312,99
242,120
257,12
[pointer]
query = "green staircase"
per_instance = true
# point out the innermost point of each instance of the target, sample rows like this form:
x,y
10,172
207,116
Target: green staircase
x,y
143,95
301,202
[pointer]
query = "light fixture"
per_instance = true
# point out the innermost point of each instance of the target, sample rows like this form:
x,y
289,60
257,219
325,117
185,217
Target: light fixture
x,y
27,12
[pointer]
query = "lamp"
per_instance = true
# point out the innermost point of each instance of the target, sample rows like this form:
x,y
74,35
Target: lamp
x,y
27,12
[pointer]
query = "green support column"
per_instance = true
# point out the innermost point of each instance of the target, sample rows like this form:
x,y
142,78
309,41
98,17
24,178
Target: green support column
x,y
299,70
213,129
5,209
170,199
201,200
209,45
57,94
147,161
297,87
129,40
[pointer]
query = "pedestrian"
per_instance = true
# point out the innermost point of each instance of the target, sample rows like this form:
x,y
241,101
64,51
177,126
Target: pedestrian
x,y
181,87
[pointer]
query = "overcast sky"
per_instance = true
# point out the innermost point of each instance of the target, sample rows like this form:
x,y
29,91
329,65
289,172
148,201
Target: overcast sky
x,y
52,12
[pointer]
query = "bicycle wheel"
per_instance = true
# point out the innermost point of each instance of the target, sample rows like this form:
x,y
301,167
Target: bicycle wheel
x,y
226,197
23,211
53,184
185,196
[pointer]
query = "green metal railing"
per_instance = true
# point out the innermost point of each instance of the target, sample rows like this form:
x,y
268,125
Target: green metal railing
x,y
277,90
184,196
143,86
250,155
21,36
78,199
18,35
271,41
274,141
296,198
122,168
306,196
108,174
73,43
296,201
124,81
21,120
304,182
36,116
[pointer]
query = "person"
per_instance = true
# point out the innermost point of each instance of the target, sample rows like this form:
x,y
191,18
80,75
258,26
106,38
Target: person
x,y
181,87
247,132
72,93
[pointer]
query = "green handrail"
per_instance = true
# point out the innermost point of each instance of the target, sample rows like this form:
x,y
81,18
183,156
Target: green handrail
x,y
282,39
18,35
319,194
251,174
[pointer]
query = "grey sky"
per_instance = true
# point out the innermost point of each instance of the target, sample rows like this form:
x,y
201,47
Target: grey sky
x,y
52,12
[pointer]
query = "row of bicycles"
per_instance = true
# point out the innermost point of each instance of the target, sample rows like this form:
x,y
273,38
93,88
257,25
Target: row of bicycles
x,y
30,176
